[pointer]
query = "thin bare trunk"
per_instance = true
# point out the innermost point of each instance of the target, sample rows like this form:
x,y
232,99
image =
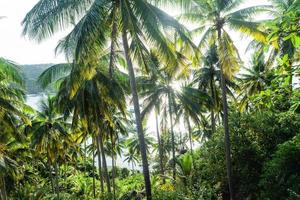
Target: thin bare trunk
x,y
137,117
56,179
112,46
172,136
93,154
50,174
113,176
190,134
159,148
104,163
226,128
100,168
212,114
113,166
3,189
85,156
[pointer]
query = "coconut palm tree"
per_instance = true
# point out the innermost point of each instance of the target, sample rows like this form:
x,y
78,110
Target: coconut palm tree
x,y
207,79
8,167
159,93
12,93
132,159
214,18
93,105
12,107
49,132
132,144
139,20
255,80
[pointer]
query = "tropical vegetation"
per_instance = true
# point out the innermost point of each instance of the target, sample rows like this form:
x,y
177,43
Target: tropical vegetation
x,y
154,106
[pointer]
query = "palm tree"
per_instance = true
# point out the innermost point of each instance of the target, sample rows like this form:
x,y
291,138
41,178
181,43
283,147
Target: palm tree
x,y
207,79
214,17
12,106
132,159
159,94
133,145
8,167
11,93
138,19
48,134
255,80
93,105
192,102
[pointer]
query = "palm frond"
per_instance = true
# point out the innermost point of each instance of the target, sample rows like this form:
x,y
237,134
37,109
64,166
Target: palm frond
x,y
49,16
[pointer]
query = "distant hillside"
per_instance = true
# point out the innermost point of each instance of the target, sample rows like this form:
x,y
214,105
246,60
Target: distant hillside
x,y
31,74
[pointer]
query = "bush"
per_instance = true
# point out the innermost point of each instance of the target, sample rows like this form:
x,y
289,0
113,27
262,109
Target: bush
x,y
281,175
254,138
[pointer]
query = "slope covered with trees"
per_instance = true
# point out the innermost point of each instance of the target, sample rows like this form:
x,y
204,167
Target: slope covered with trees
x,y
192,117
31,74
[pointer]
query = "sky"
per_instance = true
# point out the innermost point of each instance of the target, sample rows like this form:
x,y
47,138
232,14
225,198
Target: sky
x,y
15,47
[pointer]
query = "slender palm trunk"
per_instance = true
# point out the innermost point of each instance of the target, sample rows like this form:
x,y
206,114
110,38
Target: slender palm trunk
x,y
137,117
50,174
226,128
113,167
104,163
85,156
132,167
190,134
159,148
212,114
65,172
56,179
113,176
112,46
93,154
100,168
172,136
3,189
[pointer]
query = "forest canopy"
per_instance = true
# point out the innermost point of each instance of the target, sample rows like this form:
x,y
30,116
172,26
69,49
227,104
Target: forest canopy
x,y
146,107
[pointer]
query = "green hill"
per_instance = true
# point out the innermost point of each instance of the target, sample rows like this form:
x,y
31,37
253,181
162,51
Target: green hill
x,y
31,74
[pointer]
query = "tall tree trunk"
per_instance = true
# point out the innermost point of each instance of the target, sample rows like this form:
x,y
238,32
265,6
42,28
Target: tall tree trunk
x,y
56,179
137,117
65,172
85,156
93,154
212,114
113,176
113,166
172,136
50,174
104,163
100,166
190,134
226,127
159,149
132,167
3,189
112,45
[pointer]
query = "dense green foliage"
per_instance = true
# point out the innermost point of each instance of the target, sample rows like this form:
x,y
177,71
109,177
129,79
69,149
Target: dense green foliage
x,y
199,123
